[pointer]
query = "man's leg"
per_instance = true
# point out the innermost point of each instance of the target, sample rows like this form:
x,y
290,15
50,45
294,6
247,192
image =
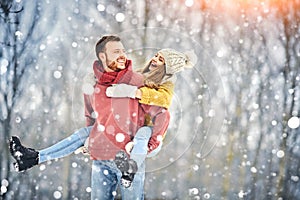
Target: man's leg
x,y
136,190
105,179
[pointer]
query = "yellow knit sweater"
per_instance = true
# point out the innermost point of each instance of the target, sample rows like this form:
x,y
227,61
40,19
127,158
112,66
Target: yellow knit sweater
x,y
159,97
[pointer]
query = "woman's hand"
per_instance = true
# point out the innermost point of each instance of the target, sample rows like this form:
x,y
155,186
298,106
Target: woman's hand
x,y
129,147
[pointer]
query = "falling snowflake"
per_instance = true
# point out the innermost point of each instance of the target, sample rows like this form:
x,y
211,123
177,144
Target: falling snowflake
x,y
57,195
57,74
280,154
100,127
294,122
120,137
120,17
42,47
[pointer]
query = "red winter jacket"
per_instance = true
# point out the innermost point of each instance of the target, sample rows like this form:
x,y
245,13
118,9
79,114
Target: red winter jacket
x,y
116,120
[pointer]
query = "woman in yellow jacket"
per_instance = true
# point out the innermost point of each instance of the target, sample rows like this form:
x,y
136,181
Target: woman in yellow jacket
x,y
158,91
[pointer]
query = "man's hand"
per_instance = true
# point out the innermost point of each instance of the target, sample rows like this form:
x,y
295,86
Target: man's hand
x,y
121,90
129,147
84,149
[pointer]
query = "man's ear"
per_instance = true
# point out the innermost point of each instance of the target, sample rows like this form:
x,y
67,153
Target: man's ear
x,y
102,56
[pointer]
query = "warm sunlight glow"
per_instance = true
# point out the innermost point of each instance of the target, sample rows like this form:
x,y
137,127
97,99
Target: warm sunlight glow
x,y
189,3
243,5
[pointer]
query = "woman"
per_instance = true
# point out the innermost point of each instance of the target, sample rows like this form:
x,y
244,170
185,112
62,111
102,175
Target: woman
x,y
158,91
159,81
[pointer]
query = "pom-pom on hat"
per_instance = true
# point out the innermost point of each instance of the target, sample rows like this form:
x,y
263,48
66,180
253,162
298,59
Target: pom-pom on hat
x,y
176,61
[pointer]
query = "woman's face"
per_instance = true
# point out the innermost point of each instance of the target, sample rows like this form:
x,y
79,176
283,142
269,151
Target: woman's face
x,y
157,61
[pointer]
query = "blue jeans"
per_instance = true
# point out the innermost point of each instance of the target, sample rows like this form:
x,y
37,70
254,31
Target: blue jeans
x,y
65,147
106,177
140,149
68,145
105,174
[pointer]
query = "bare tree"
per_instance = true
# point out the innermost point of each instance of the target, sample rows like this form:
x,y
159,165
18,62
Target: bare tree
x,y
19,33
289,15
9,22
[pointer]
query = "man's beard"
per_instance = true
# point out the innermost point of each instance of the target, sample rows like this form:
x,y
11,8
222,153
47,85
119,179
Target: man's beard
x,y
114,65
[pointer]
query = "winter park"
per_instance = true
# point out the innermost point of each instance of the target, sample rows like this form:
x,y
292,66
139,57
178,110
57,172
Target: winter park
x,y
145,99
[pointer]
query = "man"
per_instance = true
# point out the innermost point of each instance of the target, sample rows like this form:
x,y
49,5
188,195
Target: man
x,y
115,120
111,124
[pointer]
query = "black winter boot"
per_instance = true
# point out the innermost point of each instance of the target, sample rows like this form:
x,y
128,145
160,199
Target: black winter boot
x,y
121,160
127,166
25,157
127,179
128,176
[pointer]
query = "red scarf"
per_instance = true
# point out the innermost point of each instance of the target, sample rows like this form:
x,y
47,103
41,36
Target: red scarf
x,y
109,78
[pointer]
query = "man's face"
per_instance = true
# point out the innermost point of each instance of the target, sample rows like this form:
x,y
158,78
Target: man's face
x,y
114,57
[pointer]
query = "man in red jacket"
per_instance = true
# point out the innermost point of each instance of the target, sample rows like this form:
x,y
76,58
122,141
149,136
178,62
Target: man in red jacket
x,y
116,120
112,123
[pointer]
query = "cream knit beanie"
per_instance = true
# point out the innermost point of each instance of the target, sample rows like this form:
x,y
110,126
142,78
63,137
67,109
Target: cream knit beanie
x,y
176,61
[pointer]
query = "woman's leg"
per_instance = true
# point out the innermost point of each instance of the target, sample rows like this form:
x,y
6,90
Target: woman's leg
x,y
140,148
28,157
66,146
138,154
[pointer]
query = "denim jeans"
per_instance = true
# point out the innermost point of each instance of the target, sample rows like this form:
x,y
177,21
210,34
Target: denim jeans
x,y
68,145
106,177
65,147
105,174
140,149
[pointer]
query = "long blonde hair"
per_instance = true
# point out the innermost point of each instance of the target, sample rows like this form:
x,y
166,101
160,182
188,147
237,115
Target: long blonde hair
x,y
153,78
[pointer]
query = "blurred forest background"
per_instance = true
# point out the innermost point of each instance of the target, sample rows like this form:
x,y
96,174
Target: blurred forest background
x,y
235,130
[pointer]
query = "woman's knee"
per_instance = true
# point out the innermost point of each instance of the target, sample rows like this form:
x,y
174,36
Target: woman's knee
x,y
84,133
144,132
